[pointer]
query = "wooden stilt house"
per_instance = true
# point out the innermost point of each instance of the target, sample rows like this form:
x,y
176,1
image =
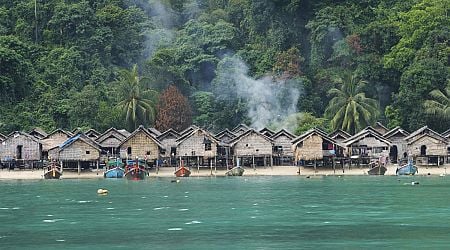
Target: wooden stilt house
x,y
398,149
427,146
142,145
92,133
154,132
315,148
198,148
21,150
79,152
380,128
224,156
367,145
52,140
188,130
168,140
282,148
109,142
339,135
251,148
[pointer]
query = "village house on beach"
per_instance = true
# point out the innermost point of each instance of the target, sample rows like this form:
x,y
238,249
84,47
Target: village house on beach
x,y
251,148
267,132
168,140
141,144
52,141
427,147
315,147
110,141
367,145
282,148
224,151
399,149
78,152
197,148
20,149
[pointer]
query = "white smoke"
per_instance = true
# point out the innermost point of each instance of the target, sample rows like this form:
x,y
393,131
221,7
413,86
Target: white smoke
x,y
269,101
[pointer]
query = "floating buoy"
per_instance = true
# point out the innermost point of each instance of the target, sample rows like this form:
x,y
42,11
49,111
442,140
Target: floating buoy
x,y
415,183
442,175
102,191
175,181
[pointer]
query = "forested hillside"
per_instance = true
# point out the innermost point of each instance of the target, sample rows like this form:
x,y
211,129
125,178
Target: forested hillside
x,y
217,63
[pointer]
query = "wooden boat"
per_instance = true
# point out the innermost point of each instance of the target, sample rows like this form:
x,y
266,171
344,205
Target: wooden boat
x,y
377,170
407,169
114,169
53,171
182,171
135,170
236,171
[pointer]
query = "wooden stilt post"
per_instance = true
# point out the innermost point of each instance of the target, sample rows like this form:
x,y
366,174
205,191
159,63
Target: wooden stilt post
x,y
215,164
253,162
62,166
334,165
79,167
210,165
315,165
97,166
198,165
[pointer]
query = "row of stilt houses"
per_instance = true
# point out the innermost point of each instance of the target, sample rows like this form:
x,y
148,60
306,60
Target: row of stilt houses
x,y
245,146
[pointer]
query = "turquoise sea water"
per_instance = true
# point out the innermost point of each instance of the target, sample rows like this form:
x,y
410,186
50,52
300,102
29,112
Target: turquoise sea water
x,y
227,213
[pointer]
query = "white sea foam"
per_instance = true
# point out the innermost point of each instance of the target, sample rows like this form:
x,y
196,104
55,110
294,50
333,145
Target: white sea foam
x,y
186,196
15,208
110,208
165,196
52,221
60,240
193,222
143,197
38,196
253,217
183,209
158,208
186,192
175,229
84,201
233,208
50,215
4,208
139,209
256,204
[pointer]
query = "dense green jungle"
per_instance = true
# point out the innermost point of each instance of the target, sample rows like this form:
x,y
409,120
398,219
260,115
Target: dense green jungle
x,y
294,64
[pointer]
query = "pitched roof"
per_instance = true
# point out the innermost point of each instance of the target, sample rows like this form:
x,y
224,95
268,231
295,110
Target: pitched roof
x,y
310,132
249,131
396,131
82,137
425,130
283,132
240,128
124,132
267,132
2,136
446,133
154,132
146,132
111,132
339,132
58,130
168,133
92,133
38,132
188,130
380,128
12,134
364,133
206,133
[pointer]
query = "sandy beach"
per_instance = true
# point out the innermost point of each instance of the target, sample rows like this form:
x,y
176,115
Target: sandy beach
x,y
204,172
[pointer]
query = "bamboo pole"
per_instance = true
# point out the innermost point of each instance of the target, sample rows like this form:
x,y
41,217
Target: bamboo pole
x,y
79,167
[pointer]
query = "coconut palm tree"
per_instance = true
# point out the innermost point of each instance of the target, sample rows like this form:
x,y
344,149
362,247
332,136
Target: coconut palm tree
x,y
439,105
136,99
350,109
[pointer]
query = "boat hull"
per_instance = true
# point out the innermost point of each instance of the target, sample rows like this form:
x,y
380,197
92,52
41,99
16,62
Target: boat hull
x,y
236,171
136,174
379,170
53,173
182,172
408,169
116,172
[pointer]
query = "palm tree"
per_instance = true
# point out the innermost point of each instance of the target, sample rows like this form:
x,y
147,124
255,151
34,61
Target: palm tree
x,y
350,109
136,99
439,105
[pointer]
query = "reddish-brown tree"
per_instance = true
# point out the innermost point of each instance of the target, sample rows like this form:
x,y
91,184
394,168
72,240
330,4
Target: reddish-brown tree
x,y
173,110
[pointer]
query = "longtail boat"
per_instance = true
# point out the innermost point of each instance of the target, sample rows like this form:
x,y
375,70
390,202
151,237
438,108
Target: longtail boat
x,y
182,171
236,171
407,169
135,170
114,169
53,171
377,169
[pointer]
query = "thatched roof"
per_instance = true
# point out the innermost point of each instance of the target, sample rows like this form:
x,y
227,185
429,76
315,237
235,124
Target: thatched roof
x,y
16,133
111,132
367,132
207,135
240,129
397,131
188,130
281,133
380,128
311,132
267,132
52,140
154,132
141,129
92,133
2,137
79,137
169,132
227,134
446,133
247,133
424,131
339,134
38,133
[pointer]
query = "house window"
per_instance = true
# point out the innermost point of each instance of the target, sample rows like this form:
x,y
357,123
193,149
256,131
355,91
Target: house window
x,y
207,146
88,152
148,153
129,150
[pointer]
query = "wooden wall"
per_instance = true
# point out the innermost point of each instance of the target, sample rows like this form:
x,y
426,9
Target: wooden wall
x,y
193,146
31,150
77,151
285,142
142,147
168,142
252,144
310,149
434,146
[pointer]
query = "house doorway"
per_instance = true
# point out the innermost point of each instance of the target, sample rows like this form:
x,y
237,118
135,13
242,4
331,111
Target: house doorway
x,y
423,150
19,151
393,154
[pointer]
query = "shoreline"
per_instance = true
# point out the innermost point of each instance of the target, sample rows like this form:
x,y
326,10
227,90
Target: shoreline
x,y
168,172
